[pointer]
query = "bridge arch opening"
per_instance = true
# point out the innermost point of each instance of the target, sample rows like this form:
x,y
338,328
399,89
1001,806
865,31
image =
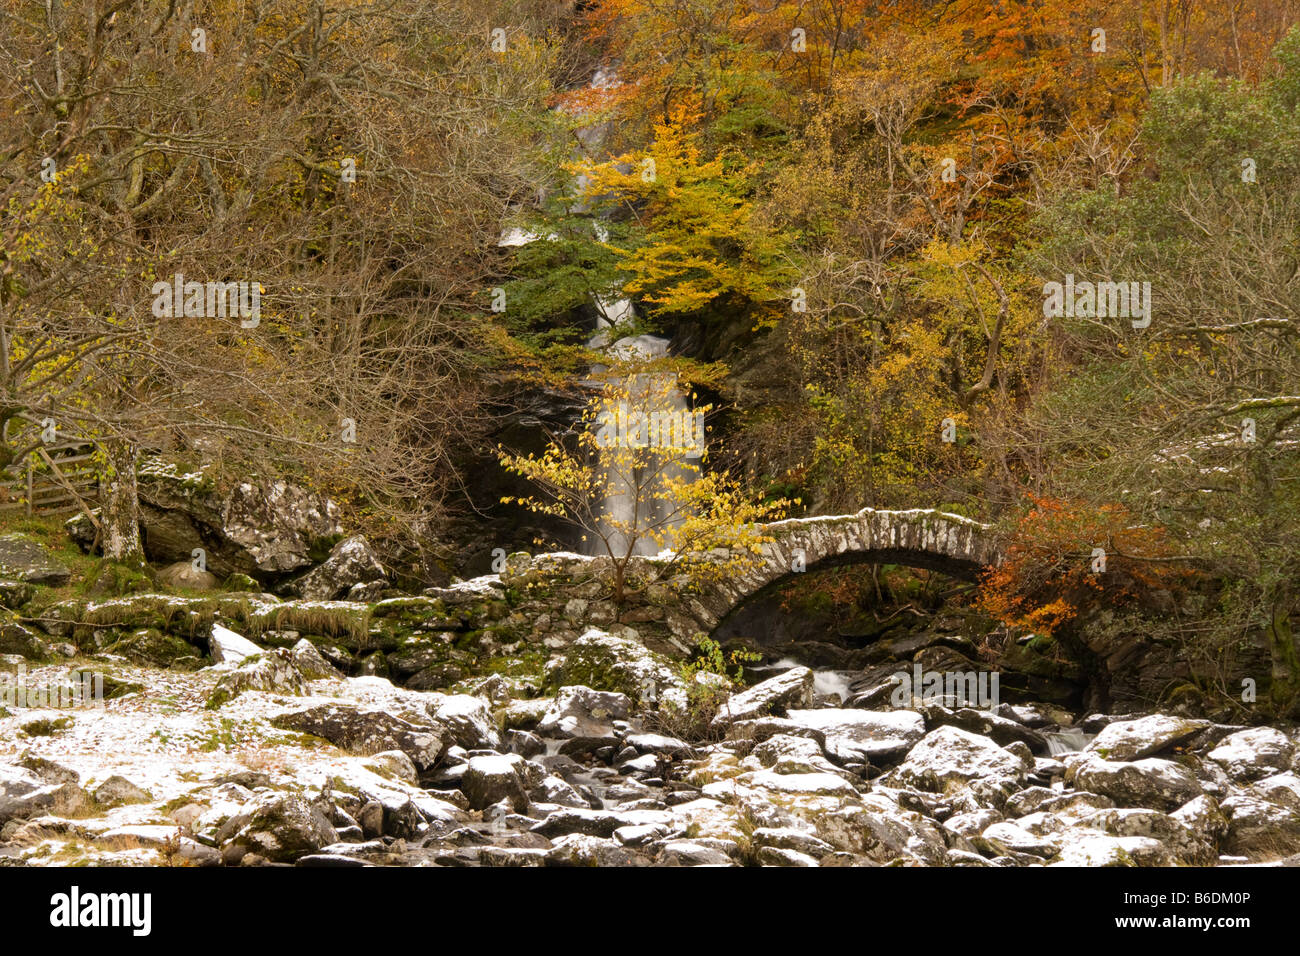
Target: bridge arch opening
x,y
844,611
861,598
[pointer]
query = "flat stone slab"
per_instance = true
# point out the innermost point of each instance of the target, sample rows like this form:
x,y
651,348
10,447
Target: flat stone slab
x,y
23,559
863,734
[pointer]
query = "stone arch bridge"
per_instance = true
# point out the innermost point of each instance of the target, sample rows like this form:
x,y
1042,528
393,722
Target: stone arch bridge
x,y
921,537
667,612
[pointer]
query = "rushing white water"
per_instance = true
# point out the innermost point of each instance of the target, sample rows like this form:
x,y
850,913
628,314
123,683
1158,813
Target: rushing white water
x,y
1067,741
826,683
614,312
516,236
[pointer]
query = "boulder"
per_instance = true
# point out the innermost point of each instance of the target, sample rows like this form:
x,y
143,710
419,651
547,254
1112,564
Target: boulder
x,y
48,770
1008,837
1102,850
793,839
554,789
582,713
272,672
760,728
1029,800
948,758
658,744
784,754
279,827
1001,730
1150,782
371,819
1259,829
24,793
1202,817
395,765
367,592
468,721
228,648
620,663
787,788
881,832
972,822
862,735
311,663
350,562
484,588
117,790
1134,739
1282,789
184,575
577,849
23,559
691,853
794,688
367,732
16,639
490,779
524,743
1185,844
524,714
1252,754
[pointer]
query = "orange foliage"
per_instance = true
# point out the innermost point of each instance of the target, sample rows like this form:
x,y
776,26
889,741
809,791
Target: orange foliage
x,y
1047,574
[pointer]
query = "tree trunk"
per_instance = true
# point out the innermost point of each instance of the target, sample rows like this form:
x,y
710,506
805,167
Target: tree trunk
x,y
120,504
620,581
1286,662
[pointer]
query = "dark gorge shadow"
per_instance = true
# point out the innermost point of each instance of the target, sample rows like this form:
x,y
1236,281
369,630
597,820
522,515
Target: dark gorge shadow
x,y
856,622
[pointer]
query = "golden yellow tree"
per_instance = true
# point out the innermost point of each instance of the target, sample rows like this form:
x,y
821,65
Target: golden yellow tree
x,y
633,482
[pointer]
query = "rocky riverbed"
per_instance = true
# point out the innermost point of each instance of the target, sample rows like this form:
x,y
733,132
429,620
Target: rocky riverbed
x,y
269,756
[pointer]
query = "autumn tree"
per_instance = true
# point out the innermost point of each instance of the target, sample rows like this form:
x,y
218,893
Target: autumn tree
x,y
345,157
632,480
1189,420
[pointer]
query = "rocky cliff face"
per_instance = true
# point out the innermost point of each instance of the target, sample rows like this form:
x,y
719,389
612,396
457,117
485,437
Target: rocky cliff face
x,y
263,528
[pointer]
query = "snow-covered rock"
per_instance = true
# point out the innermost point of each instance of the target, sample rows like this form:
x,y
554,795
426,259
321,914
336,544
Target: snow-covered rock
x,y
228,648
794,688
580,712
863,735
24,794
947,758
490,779
278,827
1134,739
311,663
1149,782
273,672
350,562
468,719
367,732
1260,829
786,754
1255,753
620,663
1102,850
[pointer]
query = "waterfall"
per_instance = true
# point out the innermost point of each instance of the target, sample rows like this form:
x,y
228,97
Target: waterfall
x,y
654,396
650,397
